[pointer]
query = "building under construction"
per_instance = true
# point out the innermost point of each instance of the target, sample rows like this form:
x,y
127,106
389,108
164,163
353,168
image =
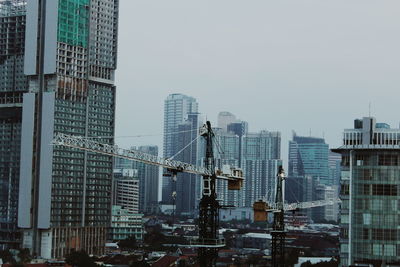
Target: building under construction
x,y
13,84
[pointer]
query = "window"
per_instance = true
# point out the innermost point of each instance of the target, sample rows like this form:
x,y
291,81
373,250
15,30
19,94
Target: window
x,y
384,190
366,218
344,189
388,160
377,249
365,234
344,248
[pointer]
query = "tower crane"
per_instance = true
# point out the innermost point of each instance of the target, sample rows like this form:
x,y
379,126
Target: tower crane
x,y
208,241
278,233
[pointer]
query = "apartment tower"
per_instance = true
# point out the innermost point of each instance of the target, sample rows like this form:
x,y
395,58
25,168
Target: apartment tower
x,y
369,216
13,84
181,125
70,60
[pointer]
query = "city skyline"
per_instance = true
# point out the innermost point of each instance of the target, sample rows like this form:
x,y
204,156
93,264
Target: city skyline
x,y
269,63
223,104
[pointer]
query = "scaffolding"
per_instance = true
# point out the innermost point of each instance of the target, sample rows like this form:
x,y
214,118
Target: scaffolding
x,y
73,19
9,8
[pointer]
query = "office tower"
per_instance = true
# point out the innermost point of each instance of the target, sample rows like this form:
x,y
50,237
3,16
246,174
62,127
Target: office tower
x,y
13,84
334,168
258,154
229,144
309,156
126,189
187,193
240,128
369,217
224,119
70,60
261,159
330,212
177,107
148,179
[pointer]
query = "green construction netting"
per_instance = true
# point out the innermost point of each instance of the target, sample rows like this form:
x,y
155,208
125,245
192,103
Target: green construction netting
x,y
73,19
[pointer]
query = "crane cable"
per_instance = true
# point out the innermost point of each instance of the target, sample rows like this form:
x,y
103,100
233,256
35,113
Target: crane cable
x,y
142,135
184,147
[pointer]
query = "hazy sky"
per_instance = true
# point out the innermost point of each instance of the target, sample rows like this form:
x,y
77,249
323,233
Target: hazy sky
x,y
280,65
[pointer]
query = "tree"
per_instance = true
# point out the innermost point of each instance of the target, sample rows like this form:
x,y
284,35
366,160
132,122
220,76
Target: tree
x,y
80,259
155,240
128,243
6,256
24,255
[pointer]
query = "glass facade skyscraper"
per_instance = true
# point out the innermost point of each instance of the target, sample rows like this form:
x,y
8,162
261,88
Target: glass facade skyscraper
x,y
370,194
181,126
309,156
261,159
70,60
258,154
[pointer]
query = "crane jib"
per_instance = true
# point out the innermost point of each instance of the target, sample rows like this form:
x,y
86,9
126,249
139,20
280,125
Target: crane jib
x,y
86,144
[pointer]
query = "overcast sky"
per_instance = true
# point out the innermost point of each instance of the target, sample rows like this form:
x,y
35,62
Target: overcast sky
x,y
280,65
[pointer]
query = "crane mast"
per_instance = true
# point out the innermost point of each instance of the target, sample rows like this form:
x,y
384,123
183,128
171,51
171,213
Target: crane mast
x,y
278,233
208,241
261,209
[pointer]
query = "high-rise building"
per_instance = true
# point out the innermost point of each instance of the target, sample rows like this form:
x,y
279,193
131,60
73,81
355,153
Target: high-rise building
x,y
224,119
70,60
334,168
309,156
258,154
261,154
148,179
126,221
13,84
126,189
230,144
369,216
186,185
177,108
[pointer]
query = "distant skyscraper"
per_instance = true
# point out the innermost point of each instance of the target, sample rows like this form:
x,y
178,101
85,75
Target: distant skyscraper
x,y
177,108
370,195
224,119
258,154
70,60
261,159
334,168
148,179
309,156
230,144
13,84
187,194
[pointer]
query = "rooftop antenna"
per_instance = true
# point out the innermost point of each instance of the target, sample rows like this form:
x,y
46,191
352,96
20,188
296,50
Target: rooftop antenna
x,y
369,109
